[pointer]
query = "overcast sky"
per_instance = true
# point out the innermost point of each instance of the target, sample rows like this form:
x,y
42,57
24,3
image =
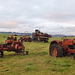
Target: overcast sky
x,y
51,16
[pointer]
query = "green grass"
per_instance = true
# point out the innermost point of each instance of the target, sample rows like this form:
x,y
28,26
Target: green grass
x,y
38,62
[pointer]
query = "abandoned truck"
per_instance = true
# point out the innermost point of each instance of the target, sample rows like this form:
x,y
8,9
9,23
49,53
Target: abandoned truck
x,y
40,37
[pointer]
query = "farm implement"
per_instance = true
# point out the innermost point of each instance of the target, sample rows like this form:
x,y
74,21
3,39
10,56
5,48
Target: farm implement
x,y
60,48
11,45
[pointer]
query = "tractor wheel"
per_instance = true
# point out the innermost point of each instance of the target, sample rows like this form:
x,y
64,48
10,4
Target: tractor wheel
x,y
55,50
29,39
1,54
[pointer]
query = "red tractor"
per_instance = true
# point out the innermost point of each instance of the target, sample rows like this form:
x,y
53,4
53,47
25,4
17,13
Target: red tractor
x,y
10,45
25,39
60,48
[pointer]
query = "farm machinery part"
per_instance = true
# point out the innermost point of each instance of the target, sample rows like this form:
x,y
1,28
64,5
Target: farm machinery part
x,y
40,37
15,46
60,48
25,39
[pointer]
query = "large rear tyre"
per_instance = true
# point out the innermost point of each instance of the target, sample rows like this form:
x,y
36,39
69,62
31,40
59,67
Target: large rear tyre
x,y
55,50
1,54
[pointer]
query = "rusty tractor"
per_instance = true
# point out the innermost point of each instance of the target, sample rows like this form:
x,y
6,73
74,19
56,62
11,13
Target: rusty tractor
x,y
14,38
11,45
25,39
40,37
61,48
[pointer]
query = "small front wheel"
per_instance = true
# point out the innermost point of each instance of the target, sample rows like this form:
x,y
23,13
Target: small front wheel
x,y
1,54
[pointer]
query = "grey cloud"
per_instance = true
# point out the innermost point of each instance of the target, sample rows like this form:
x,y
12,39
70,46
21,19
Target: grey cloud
x,y
50,16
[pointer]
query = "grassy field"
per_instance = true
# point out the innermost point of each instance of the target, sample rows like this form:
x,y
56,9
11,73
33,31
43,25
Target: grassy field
x,y
38,62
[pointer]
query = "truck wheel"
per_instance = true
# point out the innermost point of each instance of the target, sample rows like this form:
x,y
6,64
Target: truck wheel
x,y
1,54
55,50
45,41
35,39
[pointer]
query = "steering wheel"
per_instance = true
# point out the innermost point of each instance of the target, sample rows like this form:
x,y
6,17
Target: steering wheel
x,y
64,37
